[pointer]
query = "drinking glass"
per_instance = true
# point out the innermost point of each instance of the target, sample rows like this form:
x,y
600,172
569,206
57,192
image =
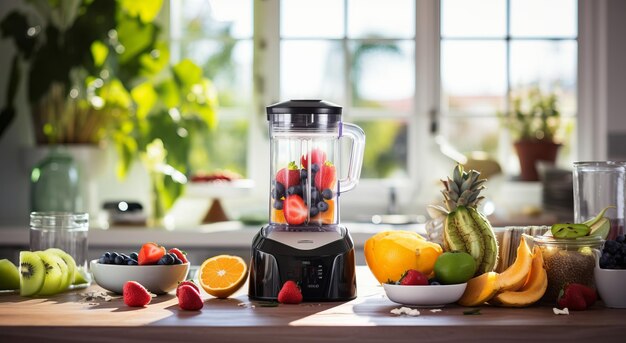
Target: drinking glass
x,y
596,186
66,231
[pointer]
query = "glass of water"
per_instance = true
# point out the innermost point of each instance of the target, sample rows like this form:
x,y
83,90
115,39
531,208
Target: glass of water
x,y
66,231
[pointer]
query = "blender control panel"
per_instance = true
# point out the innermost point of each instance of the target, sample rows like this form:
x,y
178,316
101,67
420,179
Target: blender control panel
x,y
310,273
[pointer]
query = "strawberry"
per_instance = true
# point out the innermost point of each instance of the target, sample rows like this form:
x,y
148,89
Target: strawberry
x,y
289,176
150,253
318,156
290,293
326,177
295,210
189,298
180,254
572,298
588,293
189,283
135,295
413,277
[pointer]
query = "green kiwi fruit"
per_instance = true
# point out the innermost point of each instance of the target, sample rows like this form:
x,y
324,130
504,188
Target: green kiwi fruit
x,y
54,274
9,275
32,273
69,261
569,230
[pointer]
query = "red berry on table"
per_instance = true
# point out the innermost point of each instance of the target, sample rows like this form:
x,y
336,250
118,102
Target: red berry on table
x,y
189,298
572,298
318,156
150,253
326,177
588,293
136,295
188,283
180,254
295,210
413,277
289,176
290,293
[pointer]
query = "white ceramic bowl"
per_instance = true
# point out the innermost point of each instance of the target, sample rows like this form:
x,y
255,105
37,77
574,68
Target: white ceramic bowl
x,y
610,284
427,295
157,279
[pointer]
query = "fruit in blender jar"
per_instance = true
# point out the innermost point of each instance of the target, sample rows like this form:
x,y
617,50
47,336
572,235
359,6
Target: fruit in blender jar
x,y
288,176
390,253
454,267
326,177
614,254
514,277
295,210
136,295
32,273
533,289
465,228
569,230
150,253
413,278
290,293
277,216
222,275
326,217
9,275
189,298
318,157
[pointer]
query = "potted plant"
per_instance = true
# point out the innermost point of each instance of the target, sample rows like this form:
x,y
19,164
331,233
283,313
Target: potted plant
x,y
534,120
96,71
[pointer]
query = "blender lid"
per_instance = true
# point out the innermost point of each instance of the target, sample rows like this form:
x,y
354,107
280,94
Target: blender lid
x,y
305,115
304,107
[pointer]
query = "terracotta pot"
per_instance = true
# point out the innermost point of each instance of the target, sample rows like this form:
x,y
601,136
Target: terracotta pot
x,y
531,151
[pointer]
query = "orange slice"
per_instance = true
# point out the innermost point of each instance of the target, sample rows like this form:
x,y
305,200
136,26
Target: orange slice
x,y
222,275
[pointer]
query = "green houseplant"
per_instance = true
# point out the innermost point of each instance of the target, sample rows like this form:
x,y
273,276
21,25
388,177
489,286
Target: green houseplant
x,y
534,120
97,71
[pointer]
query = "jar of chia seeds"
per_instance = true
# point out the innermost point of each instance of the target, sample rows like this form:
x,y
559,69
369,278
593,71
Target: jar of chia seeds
x,y
567,261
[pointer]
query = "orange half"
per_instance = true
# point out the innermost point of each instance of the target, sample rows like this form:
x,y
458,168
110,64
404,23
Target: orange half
x,y
222,275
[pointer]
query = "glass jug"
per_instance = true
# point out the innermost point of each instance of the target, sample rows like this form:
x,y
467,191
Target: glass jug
x,y
305,162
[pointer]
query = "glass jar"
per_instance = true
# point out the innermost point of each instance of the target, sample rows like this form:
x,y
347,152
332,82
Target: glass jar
x,y
567,261
55,184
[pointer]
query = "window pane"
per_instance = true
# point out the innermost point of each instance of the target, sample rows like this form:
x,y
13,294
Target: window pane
x,y
211,18
468,134
228,64
473,76
381,18
383,75
312,69
551,65
387,157
225,149
541,18
473,18
311,19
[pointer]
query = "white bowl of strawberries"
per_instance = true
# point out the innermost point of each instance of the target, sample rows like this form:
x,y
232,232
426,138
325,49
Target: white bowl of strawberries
x,y
415,289
151,268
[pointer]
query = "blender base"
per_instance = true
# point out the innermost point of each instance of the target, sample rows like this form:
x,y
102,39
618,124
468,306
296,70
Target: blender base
x,y
320,259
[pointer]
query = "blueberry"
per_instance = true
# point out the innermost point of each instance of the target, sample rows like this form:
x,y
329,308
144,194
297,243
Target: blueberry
x,y
101,260
315,196
315,167
620,238
113,256
297,189
434,282
322,206
280,190
132,262
278,204
107,255
134,256
177,260
119,260
313,211
611,246
327,194
168,259
303,174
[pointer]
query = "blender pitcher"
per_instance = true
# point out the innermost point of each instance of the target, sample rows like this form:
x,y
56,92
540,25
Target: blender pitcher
x,y
304,241
305,162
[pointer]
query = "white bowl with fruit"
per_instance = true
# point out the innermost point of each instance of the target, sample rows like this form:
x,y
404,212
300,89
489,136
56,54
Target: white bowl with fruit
x,y
158,270
610,272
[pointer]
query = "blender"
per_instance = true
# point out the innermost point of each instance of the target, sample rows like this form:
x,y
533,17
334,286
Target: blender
x,y
304,241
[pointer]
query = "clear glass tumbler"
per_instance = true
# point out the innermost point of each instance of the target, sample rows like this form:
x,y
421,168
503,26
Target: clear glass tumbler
x,y
66,231
596,186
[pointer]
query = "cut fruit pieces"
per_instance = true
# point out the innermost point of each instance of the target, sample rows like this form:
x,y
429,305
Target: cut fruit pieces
x,y
514,277
69,262
9,275
54,277
278,216
222,275
326,217
479,289
79,278
32,273
532,291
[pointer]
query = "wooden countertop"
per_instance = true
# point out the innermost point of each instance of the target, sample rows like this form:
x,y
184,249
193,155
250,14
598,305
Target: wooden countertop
x,y
67,317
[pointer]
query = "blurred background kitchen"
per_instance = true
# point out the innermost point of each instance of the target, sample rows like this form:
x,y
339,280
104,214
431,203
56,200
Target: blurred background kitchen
x,y
160,104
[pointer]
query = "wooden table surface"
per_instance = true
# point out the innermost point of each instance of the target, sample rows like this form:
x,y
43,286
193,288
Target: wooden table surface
x,y
68,317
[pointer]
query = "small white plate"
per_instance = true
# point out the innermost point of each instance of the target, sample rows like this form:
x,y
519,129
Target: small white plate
x,y
428,295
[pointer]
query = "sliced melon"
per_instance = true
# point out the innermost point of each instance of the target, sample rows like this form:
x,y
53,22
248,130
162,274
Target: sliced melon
x,y
514,277
479,289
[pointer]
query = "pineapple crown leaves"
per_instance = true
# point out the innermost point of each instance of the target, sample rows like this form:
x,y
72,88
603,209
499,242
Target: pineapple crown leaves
x,y
463,189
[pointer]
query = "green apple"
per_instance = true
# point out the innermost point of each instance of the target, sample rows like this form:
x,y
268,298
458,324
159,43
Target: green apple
x,y
9,275
454,267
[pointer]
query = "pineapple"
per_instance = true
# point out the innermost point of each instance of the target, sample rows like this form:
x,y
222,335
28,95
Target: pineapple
x,y
465,228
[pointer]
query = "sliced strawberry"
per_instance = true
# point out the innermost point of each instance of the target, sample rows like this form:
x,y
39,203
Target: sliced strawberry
x,y
180,254
150,253
295,210
326,177
289,176
318,156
